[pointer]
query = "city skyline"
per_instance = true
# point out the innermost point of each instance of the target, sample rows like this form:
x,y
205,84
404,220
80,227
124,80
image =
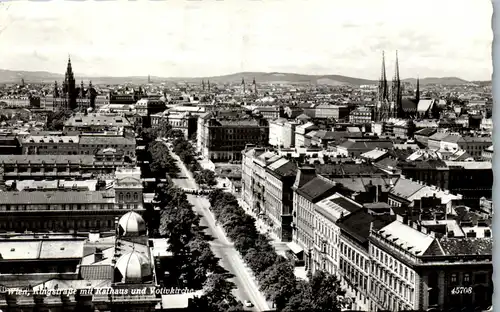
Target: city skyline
x,y
190,39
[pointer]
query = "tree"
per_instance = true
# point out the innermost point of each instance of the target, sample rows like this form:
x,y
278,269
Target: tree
x,y
218,294
327,295
206,177
259,261
278,283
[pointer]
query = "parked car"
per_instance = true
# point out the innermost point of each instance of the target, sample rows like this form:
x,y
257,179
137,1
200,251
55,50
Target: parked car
x,y
248,303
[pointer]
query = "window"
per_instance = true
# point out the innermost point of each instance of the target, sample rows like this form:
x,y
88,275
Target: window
x,y
453,278
136,196
466,278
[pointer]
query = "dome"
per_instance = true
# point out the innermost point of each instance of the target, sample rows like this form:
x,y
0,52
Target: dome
x,y
132,267
131,224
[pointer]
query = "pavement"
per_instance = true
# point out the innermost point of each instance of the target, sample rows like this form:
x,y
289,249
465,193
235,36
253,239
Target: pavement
x,y
280,247
223,248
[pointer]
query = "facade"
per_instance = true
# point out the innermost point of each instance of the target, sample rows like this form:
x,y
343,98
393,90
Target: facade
x,y
327,233
308,190
361,115
415,268
280,177
300,133
68,211
184,122
55,167
223,139
91,145
50,145
271,112
97,123
337,112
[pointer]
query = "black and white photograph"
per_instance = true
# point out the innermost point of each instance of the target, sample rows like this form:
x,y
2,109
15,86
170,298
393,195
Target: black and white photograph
x,y
246,155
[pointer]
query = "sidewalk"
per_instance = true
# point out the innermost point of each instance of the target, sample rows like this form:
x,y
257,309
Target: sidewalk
x,y
261,226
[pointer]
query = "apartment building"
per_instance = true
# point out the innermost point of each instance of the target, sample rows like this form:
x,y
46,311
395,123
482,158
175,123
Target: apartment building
x,y
414,268
184,122
280,177
224,138
300,133
282,133
326,231
309,189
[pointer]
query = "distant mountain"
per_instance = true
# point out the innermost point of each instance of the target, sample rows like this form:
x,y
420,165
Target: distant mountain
x,y
14,76
442,81
275,77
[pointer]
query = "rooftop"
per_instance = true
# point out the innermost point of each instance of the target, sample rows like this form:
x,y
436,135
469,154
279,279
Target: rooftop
x,y
41,249
55,198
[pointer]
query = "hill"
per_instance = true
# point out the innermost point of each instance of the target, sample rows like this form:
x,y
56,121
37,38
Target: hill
x,y
442,81
14,76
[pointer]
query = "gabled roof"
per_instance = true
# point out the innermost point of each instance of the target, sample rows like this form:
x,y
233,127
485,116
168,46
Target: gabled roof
x,y
315,189
426,132
407,237
357,224
284,168
424,105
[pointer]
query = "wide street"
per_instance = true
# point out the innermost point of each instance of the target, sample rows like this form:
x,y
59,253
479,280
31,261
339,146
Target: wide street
x,y
222,248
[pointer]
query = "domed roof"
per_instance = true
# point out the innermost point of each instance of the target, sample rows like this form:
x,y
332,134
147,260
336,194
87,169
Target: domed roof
x,y
133,267
132,224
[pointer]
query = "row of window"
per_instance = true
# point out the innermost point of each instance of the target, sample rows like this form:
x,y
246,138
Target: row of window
x,y
354,256
392,263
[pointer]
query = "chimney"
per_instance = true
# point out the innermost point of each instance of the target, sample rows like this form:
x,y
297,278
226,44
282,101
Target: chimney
x,y
98,255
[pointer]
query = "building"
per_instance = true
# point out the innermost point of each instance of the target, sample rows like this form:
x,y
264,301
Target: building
x,y
69,96
223,139
414,268
300,133
282,133
55,167
184,122
50,144
91,145
10,145
309,189
354,147
96,272
271,112
327,233
280,177
354,256
66,211
93,123
325,111
361,115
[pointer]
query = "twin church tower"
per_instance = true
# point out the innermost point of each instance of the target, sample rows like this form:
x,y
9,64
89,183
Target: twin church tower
x,y
390,100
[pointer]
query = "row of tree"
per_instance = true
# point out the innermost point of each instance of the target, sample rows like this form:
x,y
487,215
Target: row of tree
x,y
275,273
193,264
161,161
186,152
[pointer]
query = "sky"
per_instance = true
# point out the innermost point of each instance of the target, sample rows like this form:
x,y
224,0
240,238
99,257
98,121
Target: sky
x,y
186,38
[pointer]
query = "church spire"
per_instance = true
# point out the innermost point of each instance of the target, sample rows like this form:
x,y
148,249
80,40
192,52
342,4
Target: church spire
x,y
203,85
81,89
243,84
254,86
417,95
382,84
396,90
